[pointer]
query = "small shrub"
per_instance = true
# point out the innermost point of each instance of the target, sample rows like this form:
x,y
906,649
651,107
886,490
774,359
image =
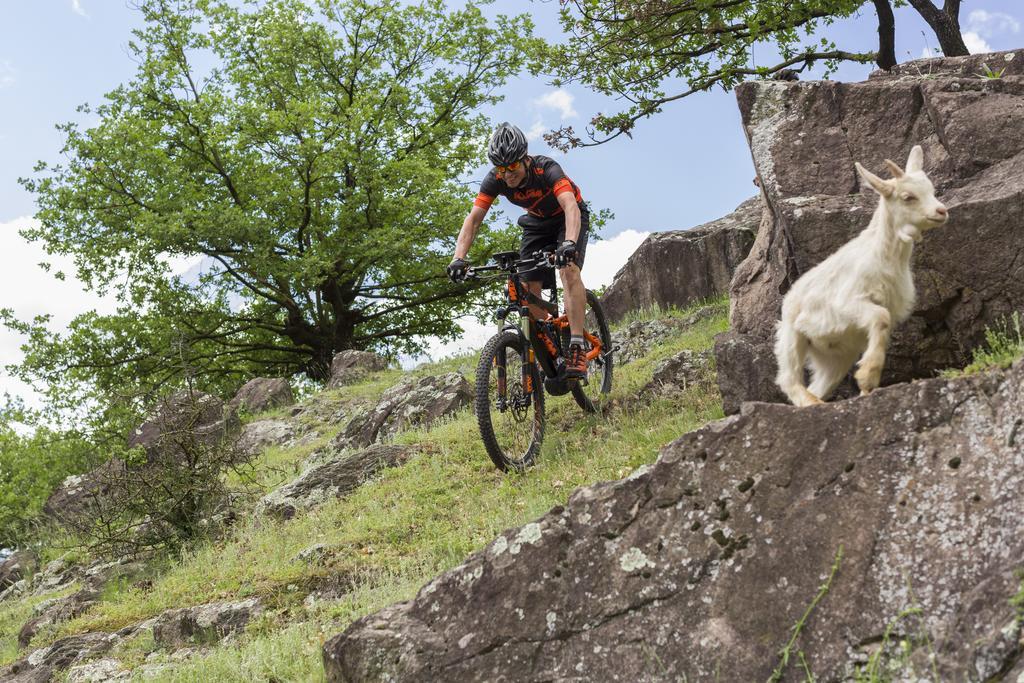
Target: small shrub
x,y
1004,343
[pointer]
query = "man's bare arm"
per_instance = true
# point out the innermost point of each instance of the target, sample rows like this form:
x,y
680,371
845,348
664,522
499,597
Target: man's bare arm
x,y
470,227
572,215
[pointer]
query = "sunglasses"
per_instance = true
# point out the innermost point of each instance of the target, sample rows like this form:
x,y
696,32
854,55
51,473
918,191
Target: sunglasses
x,y
513,167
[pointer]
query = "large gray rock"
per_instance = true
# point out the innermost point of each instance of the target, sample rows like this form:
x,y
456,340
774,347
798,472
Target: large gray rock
x,y
182,421
257,436
350,366
78,493
58,610
805,137
44,664
413,402
680,372
262,394
636,339
679,267
698,567
204,624
15,568
333,479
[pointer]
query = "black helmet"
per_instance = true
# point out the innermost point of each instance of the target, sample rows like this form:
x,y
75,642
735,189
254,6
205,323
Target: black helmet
x,y
508,144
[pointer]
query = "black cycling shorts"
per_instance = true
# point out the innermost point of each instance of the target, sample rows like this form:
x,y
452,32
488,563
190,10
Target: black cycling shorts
x,y
545,234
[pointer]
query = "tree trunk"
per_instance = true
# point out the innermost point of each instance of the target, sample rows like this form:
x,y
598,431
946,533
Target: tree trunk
x,y
886,35
946,24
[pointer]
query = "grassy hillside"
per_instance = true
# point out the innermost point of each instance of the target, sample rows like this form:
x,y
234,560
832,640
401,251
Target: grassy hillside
x,y
392,535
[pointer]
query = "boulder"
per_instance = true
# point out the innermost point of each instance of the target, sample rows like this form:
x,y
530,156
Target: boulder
x,y
59,610
256,437
333,479
53,612
413,402
15,590
805,137
262,394
636,339
78,492
99,671
700,566
181,421
15,568
678,267
44,664
204,624
55,574
350,366
680,372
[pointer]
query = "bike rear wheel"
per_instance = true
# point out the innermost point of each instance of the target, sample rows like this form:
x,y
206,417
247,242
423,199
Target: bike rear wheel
x,y
599,372
509,403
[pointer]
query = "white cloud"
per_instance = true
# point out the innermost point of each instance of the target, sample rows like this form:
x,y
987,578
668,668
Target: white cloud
x,y
76,7
31,291
987,24
536,131
7,73
604,259
560,100
975,43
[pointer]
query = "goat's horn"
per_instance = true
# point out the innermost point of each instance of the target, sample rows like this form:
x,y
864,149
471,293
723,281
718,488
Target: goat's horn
x,y
897,172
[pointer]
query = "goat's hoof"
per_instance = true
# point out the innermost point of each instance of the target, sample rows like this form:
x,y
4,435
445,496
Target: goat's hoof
x,y
865,392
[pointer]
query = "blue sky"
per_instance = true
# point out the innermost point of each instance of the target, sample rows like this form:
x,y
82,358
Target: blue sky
x,y
684,167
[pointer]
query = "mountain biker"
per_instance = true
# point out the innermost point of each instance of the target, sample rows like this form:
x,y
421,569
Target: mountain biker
x,y
556,219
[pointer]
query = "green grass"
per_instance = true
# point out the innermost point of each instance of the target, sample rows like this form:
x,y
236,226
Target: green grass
x,y
410,523
14,614
653,312
1004,343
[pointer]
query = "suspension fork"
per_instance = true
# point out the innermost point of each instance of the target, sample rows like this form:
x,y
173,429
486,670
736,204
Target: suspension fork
x,y
528,356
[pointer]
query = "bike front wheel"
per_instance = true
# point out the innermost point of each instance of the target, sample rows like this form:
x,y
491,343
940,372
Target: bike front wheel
x,y
589,395
509,402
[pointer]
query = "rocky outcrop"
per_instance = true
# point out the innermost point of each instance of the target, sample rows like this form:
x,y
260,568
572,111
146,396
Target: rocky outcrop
x,y
183,421
262,434
680,372
44,664
413,402
78,492
58,610
334,479
15,568
698,567
98,671
679,267
636,339
262,394
204,624
350,366
805,137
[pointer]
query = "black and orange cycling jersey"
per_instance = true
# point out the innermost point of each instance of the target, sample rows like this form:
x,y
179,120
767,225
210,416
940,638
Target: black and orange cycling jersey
x,y
538,192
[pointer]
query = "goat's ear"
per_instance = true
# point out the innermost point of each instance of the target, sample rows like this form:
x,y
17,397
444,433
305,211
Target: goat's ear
x,y
915,162
882,187
894,168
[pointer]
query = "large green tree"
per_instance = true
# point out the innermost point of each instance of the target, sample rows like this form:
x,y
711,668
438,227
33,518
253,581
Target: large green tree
x,y
309,152
648,53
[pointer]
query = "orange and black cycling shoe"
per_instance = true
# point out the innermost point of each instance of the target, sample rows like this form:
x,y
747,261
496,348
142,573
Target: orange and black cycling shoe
x,y
576,364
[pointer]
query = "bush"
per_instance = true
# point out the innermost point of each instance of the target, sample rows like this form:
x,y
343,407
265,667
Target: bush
x,y
168,490
1004,343
31,467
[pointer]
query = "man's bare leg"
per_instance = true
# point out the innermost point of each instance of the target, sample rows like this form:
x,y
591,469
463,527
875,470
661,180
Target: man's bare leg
x,y
534,287
575,298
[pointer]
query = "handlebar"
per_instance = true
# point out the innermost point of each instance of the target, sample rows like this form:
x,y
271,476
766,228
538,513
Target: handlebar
x,y
538,259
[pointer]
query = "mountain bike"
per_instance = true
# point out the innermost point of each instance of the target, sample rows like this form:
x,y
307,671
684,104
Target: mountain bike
x,y
509,401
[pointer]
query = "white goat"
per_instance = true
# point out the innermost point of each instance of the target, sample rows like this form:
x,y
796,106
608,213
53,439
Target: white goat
x,y
846,305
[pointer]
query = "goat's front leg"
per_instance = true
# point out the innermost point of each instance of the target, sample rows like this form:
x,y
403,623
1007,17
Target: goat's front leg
x,y
878,323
